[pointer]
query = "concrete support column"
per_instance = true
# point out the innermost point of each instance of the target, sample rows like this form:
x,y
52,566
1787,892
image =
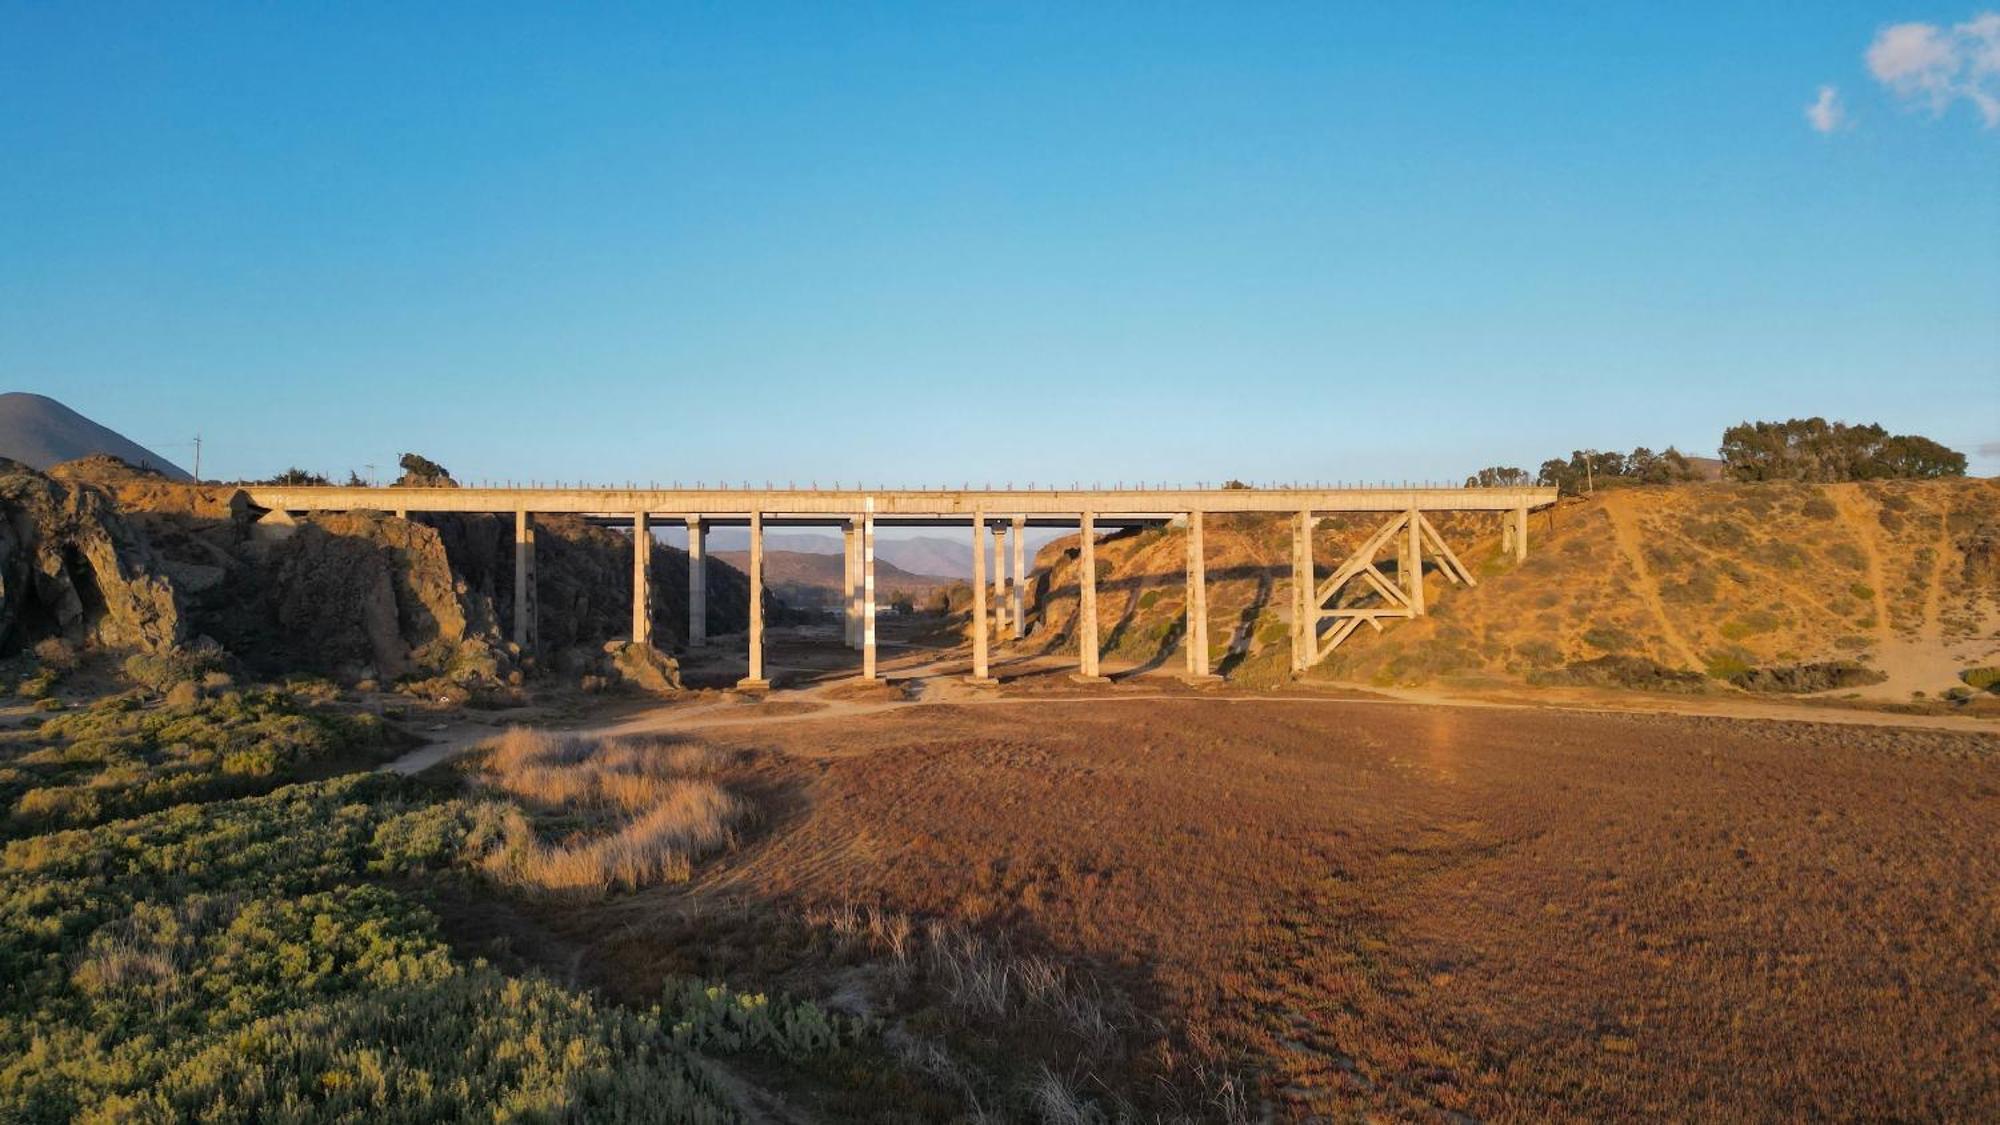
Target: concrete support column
x,y
868,592
851,581
697,582
1521,533
999,581
1015,536
642,580
1086,597
1305,594
979,618
1413,554
525,632
755,681
1197,602
1507,533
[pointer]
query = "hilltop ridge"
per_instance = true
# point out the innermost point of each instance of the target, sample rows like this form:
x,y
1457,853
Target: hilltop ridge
x,y
41,433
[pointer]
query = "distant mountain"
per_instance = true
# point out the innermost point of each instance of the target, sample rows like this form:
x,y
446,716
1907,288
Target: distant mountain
x,y
814,578
922,556
39,432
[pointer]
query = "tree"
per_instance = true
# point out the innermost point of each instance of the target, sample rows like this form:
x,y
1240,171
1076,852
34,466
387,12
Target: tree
x,y
1499,476
1912,456
1818,451
296,477
1587,468
422,472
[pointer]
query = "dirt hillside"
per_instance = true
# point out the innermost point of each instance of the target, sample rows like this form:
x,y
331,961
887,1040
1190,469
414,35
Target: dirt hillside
x,y
1763,584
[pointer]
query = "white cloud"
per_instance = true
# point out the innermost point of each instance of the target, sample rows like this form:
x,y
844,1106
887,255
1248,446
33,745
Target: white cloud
x,y
1922,61
1826,113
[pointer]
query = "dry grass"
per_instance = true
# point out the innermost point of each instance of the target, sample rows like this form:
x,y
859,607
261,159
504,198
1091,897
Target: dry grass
x,y
1709,578
1411,913
638,812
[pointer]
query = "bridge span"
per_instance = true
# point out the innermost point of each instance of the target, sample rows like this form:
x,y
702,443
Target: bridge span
x,y
1321,619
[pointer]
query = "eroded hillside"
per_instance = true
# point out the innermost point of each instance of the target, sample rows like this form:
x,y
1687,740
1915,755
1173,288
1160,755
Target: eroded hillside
x,y
130,560
1900,578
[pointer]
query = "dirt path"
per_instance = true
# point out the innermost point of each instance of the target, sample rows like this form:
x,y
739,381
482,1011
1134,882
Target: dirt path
x,y
1861,520
1627,539
825,705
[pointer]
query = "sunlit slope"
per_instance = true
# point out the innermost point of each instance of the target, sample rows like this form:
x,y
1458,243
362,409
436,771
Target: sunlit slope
x,y
1899,576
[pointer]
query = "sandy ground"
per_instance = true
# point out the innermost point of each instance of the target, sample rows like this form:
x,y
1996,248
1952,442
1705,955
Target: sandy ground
x,y
823,688
1376,906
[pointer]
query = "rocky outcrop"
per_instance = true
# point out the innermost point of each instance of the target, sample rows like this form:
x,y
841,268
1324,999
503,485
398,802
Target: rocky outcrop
x,y
377,599
365,595
70,566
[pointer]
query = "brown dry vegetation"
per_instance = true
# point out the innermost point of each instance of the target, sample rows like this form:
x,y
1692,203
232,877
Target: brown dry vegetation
x,y
630,812
1712,578
1376,909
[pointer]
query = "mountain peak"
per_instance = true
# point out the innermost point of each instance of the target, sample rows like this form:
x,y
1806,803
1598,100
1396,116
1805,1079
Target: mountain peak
x,y
38,431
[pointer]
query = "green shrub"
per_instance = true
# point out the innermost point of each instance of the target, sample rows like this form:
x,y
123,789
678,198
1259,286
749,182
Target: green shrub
x,y
1727,664
1982,679
1608,638
117,759
228,961
159,671
1749,624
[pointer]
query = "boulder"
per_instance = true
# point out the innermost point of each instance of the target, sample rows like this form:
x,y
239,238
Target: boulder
x,y
644,667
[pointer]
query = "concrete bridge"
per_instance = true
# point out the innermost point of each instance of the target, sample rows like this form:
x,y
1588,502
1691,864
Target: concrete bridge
x,y
1319,622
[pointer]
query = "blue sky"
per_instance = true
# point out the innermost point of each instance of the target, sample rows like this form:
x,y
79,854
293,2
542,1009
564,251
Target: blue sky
x,y
940,243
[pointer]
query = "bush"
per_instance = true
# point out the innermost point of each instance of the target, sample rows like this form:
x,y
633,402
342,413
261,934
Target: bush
x,y
1982,679
1634,672
160,671
229,959
117,759
1799,679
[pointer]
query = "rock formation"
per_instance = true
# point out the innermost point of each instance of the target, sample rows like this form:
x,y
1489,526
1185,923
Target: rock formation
x,y
70,566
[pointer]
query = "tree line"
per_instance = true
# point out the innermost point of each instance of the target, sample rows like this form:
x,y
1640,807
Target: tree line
x,y
1801,449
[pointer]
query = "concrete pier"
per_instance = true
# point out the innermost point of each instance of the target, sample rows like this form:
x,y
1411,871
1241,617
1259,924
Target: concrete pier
x,y
999,581
980,623
1015,535
1086,597
1414,554
868,593
1305,594
1521,533
642,580
850,585
1197,604
525,631
697,582
755,681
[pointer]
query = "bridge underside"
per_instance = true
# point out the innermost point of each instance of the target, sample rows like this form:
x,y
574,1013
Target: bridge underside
x,y
1325,612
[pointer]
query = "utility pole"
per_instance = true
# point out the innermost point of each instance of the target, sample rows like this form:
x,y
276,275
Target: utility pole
x,y
197,458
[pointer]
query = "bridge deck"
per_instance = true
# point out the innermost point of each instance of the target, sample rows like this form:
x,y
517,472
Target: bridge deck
x,y
896,505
